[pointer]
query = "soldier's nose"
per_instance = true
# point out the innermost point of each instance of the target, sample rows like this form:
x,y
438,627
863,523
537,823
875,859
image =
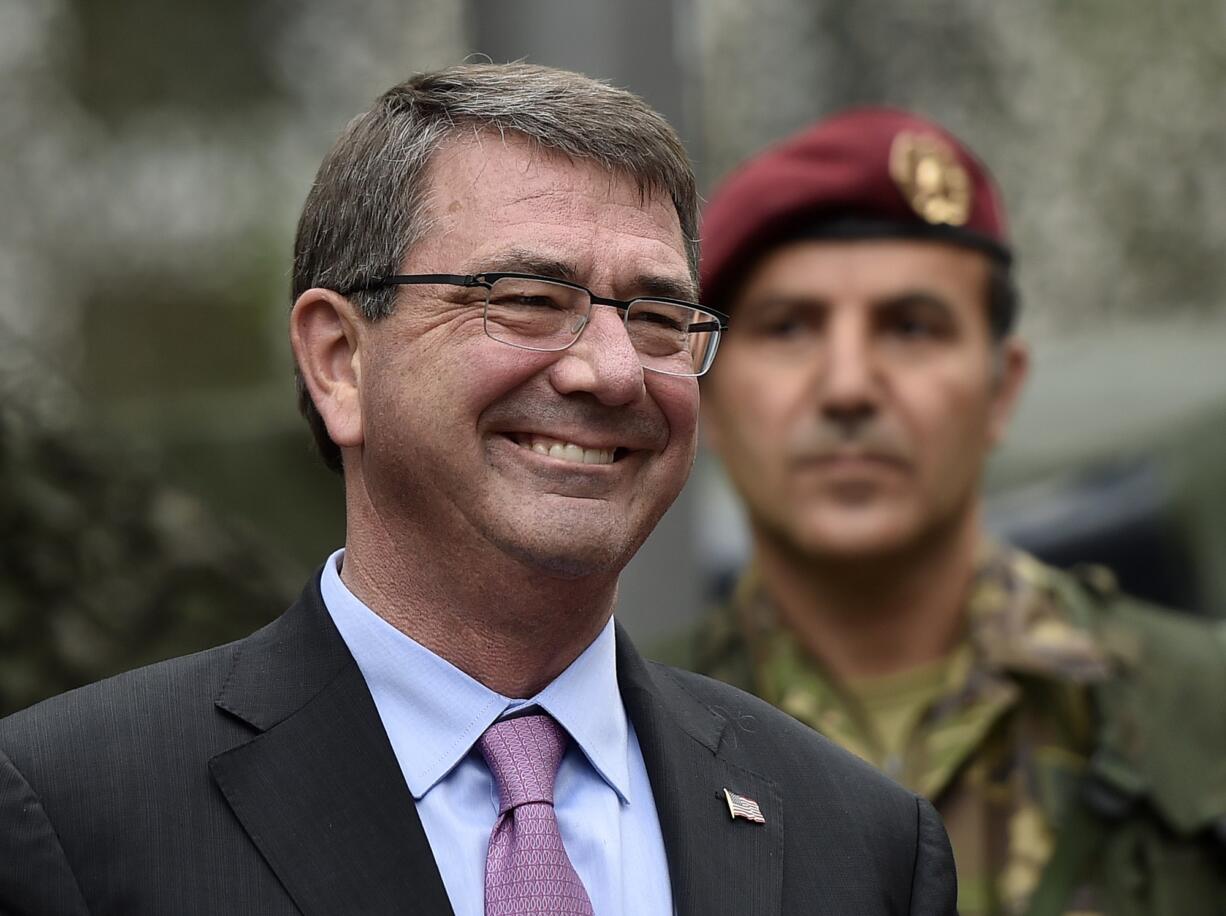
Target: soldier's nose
x,y
846,382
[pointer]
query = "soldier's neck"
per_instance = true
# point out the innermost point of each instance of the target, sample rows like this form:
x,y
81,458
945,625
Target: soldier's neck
x,y
879,615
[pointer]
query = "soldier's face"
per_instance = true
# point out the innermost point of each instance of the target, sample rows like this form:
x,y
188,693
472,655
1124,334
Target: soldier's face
x,y
858,393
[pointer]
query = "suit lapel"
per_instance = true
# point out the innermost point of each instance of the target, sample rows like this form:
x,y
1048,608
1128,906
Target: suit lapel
x,y
320,793
318,789
717,864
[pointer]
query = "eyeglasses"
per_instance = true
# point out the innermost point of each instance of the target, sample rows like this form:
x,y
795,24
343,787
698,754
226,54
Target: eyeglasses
x,y
671,336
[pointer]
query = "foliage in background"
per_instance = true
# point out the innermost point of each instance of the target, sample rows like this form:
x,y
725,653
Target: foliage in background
x,y
105,568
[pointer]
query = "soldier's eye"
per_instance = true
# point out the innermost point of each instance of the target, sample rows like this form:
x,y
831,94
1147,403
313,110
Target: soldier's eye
x,y
919,318
785,327
795,326
911,326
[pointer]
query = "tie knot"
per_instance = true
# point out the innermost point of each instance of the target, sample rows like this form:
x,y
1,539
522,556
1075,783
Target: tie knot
x,y
523,754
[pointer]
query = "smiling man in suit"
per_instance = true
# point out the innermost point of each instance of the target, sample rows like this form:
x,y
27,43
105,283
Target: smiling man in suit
x,y
498,348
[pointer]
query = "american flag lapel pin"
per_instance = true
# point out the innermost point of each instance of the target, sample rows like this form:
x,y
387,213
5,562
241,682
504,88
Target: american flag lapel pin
x,y
740,806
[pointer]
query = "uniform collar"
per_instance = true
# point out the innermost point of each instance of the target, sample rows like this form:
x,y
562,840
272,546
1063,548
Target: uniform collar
x,y
1017,621
1017,626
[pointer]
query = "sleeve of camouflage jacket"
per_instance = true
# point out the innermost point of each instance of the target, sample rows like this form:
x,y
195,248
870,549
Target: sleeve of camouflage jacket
x,y
934,886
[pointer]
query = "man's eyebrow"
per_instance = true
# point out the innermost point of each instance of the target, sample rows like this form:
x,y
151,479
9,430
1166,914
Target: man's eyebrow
x,y
520,261
668,287
789,300
914,297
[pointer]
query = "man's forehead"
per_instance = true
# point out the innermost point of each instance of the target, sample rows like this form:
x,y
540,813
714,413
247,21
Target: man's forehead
x,y
868,266
514,205
477,162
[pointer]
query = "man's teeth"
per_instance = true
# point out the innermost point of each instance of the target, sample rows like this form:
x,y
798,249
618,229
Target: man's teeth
x,y
568,451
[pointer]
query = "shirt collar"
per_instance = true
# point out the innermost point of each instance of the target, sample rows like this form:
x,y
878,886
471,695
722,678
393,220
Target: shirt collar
x,y
434,713
585,700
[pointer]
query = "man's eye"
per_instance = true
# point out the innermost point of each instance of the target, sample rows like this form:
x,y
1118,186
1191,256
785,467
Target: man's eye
x,y
914,327
784,328
664,320
788,327
526,301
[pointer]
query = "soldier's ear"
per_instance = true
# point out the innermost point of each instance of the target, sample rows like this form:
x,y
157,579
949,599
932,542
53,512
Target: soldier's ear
x,y
325,333
1012,366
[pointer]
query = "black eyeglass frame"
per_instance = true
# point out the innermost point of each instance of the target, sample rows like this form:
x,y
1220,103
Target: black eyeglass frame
x,y
488,280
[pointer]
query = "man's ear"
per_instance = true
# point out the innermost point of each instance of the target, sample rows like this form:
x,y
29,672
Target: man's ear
x,y
1012,368
324,332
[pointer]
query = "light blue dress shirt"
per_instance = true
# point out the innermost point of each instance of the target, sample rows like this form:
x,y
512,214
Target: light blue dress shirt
x,y
434,713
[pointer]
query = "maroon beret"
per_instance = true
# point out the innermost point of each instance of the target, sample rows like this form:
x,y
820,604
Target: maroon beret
x,y
867,172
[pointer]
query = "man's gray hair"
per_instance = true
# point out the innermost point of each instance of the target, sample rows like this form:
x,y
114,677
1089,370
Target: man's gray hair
x,y
370,200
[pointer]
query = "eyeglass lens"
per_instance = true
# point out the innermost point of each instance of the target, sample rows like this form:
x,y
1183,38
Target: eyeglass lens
x,y
540,315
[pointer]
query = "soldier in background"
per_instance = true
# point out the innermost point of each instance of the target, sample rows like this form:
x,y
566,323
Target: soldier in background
x,y
1072,738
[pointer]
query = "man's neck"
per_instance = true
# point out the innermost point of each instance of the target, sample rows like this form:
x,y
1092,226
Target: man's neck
x,y
504,625
876,616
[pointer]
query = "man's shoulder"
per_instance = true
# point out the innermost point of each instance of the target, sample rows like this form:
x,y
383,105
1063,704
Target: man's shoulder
x,y
1162,738
1165,668
1135,631
180,693
126,714
852,834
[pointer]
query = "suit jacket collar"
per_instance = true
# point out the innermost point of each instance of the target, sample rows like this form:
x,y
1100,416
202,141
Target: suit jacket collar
x,y
318,788
717,864
320,793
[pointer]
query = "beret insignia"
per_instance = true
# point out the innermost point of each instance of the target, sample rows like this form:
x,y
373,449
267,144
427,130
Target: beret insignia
x,y
930,178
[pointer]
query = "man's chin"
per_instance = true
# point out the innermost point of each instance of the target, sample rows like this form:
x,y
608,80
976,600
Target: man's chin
x,y
852,537
569,555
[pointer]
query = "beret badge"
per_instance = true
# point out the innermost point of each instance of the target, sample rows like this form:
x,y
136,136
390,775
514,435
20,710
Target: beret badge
x,y
930,178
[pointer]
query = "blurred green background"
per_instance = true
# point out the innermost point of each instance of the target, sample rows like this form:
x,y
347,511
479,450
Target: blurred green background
x,y
159,490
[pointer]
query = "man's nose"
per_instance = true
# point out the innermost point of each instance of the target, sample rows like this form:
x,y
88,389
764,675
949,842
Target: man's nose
x,y
602,362
847,382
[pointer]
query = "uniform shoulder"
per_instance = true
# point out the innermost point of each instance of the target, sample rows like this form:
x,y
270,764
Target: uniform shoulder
x,y
1162,736
760,737
1137,632
713,644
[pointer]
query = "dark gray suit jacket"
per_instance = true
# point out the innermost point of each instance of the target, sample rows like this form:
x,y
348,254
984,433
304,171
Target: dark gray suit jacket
x,y
256,778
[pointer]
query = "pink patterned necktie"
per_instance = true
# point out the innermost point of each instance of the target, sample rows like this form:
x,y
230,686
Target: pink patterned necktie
x,y
527,869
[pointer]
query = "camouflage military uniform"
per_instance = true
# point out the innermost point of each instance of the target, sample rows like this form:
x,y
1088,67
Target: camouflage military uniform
x,y
1056,677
